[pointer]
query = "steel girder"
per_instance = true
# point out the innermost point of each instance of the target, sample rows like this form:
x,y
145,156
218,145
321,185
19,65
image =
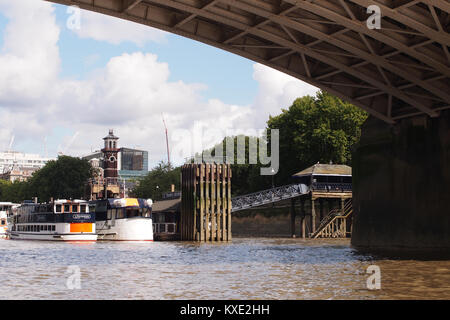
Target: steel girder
x,y
397,71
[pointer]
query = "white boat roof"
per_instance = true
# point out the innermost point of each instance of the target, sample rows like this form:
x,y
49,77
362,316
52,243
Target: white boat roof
x,y
62,201
8,204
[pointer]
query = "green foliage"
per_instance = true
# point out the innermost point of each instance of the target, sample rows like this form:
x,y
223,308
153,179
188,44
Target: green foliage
x,y
316,129
14,192
158,181
313,129
64,178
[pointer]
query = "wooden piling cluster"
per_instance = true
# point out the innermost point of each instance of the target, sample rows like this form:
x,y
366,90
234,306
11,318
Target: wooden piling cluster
x,y
206,202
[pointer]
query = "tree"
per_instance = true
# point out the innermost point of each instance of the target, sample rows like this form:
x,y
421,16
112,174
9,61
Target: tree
x,y
14,192
158,181
313,129
316,129
64,178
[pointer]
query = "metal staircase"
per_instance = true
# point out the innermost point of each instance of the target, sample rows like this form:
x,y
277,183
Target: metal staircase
x,y
268,196
334,225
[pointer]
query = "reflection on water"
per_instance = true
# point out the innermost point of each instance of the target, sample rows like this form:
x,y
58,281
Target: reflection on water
x,y
244,269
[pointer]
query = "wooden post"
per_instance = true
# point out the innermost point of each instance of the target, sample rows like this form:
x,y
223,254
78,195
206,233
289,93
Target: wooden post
x,y
303,220
321,209
202,202
313,216
228,167
344,222
224,204
292,218
218,204
205,202
213,203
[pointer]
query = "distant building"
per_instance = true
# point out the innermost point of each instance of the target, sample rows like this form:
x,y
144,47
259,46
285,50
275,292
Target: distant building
x,y
18,173
132,163
117,169
18,166
27,160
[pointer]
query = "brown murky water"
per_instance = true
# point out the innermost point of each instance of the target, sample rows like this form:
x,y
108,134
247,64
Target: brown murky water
x,y
244,269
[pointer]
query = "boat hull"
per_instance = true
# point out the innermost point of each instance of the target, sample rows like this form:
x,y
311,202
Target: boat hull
x,y
128,229
53,237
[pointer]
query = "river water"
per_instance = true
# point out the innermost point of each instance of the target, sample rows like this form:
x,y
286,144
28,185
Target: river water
x,y
256,268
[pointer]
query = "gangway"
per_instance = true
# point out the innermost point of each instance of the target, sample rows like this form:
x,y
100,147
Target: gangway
x,y
268,196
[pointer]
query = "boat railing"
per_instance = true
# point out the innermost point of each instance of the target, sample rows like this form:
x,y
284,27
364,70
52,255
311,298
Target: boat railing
x,y
104,181
166,227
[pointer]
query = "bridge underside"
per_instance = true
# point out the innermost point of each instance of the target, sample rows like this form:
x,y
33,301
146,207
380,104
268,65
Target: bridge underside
x,y
398,71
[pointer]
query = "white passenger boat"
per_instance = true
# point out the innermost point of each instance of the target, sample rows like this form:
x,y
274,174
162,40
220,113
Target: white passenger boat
x,y
61,220
127,219
5,212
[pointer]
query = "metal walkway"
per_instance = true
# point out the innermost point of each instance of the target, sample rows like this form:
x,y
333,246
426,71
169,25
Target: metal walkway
x,y
268,196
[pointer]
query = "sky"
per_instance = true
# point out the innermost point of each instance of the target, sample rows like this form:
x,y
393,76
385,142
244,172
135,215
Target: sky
x,y
64,84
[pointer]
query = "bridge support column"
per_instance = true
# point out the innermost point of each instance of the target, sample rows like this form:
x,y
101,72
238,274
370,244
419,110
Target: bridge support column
x,y
401,186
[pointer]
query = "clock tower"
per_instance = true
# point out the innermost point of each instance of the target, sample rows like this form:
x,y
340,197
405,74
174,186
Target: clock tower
x,y
110,157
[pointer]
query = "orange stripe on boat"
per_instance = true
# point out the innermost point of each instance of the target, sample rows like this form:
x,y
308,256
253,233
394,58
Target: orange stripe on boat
x,y
81,227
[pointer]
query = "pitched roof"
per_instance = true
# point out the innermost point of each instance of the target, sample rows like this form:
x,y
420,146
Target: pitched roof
x,y
111,136
166,205
326,170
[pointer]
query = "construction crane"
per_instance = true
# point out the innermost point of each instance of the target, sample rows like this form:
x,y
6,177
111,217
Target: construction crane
x,y
167,141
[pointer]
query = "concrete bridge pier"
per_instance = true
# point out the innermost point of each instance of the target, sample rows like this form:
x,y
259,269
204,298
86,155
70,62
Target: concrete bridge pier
x,y
401,187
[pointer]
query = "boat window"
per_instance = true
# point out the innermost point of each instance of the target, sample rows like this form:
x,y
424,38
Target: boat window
x,y
58,208
3,222
132,213
120,214
75,208
145,212
66,208
42,228
53,228
83,208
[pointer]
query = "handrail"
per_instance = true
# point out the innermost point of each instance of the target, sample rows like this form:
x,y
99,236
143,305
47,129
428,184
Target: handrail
x,y
157,227
332,216
331,186
268,196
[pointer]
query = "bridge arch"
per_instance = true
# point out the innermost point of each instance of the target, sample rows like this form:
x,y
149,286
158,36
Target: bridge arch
x,y
397,71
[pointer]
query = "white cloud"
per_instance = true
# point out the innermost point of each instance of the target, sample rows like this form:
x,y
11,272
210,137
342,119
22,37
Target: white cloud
x,y
106,28
277,90
129,94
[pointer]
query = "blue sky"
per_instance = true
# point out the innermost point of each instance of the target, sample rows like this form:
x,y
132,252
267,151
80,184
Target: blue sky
x,y
69,87
228,76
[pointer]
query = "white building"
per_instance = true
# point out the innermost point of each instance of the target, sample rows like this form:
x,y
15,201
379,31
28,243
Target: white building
x,y
10,159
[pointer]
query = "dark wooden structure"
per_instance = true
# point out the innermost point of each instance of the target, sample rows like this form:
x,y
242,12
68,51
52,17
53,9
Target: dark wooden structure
x,y
166,219
330,200
206,202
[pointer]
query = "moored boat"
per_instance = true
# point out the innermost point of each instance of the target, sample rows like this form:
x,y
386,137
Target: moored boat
x,y
60,220
126,219
5,211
